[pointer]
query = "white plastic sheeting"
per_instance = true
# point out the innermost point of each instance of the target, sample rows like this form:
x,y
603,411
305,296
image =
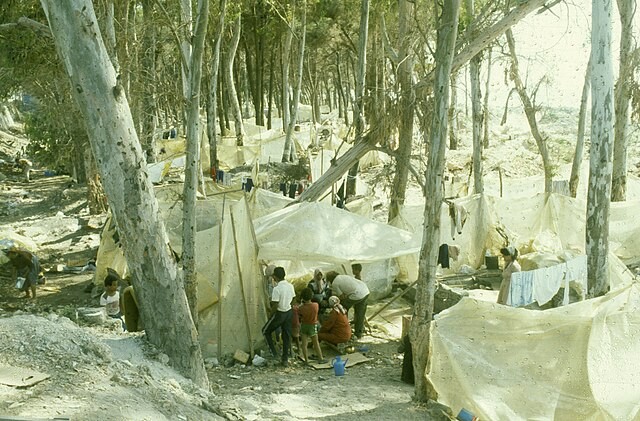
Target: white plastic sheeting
x,y
577,362
322,233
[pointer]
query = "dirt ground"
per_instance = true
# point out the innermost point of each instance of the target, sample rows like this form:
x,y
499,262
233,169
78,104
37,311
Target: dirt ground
x,y
100,373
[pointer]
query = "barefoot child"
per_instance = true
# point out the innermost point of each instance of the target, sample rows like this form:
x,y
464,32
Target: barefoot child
x,y
309,324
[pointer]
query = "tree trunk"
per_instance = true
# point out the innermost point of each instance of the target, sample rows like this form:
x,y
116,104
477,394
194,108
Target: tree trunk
x,y
407,112
287,153
485,108
452,113
358,105
530,112
286,51
600,165
156,277
476,107
148,75
232,95
192,171
447,26
574,179
212,103
626,9
96,198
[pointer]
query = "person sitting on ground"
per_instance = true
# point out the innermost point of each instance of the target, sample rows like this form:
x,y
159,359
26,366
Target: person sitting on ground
x,y
352,293
356,269
511,265
280,315
320,289
335,329
111,298
309,325
25,265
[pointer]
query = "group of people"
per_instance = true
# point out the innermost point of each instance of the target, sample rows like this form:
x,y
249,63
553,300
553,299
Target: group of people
x,y
318,313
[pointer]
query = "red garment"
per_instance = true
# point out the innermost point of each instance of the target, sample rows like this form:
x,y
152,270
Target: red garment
x,y
309,313
335,329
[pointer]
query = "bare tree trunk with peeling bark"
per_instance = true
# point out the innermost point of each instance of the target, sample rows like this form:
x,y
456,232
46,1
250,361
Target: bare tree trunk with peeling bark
x,y
574,179
423,310
407,110
287,154
600,160
101,100
530,112
192,171
476,108
212,100
626,9
232,95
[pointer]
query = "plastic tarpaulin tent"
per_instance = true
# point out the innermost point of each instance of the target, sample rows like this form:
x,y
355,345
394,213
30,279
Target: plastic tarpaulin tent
x,y
568,363
322,233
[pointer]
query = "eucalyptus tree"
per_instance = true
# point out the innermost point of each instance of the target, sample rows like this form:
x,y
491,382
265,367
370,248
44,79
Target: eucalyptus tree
x,y
476,98
358,104
105,109
287,153
530,111
574,178
212,97
404,59
602,140
447,24
627,9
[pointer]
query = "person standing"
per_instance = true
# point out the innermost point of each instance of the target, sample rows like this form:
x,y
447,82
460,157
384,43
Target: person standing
x,y
25,265
511,265
352,293
281,315
309,325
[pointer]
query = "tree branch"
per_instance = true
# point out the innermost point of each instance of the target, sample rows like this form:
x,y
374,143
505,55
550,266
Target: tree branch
x,y
24,22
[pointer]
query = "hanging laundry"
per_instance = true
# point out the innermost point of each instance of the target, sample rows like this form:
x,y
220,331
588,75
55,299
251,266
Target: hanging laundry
x,y
443,256
521,289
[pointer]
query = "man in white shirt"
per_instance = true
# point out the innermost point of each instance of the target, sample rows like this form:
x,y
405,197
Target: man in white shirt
x,y
352,293
281,315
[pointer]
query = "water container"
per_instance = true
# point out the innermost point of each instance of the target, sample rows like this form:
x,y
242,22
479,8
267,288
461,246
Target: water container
x,y
338,365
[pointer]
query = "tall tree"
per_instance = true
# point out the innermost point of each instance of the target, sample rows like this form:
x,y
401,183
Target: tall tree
x,y
360,76
131,197
405,63
447,24
192,171
530,112
212,98
627,9
232,95
574,178
287,154
600,160
476,104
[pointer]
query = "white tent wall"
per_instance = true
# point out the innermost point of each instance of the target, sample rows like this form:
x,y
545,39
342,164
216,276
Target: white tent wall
x,y
572,362
543,223
236,319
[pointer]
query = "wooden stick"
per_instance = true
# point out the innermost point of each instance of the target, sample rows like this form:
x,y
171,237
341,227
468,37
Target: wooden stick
x,y
392,300
244,296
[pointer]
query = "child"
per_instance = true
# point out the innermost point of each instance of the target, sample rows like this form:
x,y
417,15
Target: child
x,y
309,324
295,324
111,298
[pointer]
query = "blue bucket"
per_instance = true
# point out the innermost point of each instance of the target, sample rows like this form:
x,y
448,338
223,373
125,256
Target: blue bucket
x,y
466,415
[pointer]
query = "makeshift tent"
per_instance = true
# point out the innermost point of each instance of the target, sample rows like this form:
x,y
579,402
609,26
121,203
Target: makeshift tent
x,y
317,232
231,289
574,362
